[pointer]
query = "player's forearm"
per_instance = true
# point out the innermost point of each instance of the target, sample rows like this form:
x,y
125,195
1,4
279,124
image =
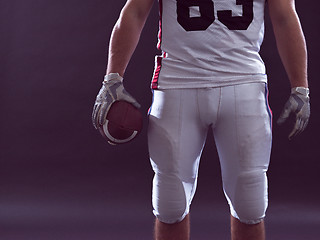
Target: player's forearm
x,y
292,49
123,42
124,39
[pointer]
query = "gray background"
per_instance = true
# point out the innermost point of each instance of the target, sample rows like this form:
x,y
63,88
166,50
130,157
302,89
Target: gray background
x,y
60,180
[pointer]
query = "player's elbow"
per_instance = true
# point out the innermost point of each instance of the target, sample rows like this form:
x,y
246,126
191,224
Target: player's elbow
x,y
129,23
285,19
134,14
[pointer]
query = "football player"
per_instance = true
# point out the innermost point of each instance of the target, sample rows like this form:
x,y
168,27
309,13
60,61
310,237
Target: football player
x,y
210,76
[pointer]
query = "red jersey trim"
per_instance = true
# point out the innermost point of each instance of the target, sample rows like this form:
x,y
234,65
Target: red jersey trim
x,y
157,69
160,26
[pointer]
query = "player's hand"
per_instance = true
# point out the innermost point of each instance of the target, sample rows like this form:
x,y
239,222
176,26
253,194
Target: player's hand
x,y
298,104
112,90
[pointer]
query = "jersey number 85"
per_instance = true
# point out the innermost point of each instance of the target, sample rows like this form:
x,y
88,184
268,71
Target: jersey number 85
x,y
206,18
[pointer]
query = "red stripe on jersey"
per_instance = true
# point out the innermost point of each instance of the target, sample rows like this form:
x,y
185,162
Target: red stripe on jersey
x,y
160,25
154,83
157,69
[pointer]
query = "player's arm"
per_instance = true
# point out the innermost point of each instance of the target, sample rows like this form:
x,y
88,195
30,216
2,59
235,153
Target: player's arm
x,y
124,39
126,33
290,40
293,53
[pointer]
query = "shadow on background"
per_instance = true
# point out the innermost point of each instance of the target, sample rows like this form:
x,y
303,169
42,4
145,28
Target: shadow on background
x,y
60,180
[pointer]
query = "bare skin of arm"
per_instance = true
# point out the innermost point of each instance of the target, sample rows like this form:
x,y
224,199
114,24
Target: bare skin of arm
x,y
290,40
126,34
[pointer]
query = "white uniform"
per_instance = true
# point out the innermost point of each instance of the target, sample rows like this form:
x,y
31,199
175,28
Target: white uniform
x,y
210,76
219,54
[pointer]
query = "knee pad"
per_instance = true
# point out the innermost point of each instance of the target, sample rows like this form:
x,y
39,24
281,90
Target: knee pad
x,y
250,200
171,198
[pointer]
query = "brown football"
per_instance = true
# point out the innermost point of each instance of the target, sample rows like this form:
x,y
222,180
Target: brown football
x,y
123,123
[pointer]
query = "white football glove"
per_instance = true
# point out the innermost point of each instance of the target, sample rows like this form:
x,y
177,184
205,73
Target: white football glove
x,y
112,90
298,104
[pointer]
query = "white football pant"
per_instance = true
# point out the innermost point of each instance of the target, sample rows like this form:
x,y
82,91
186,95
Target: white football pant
x,y
240,119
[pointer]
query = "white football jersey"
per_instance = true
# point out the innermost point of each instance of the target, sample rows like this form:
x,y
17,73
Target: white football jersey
x,y
209,43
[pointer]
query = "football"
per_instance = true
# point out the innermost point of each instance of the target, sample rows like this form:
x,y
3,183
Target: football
x,y
123,123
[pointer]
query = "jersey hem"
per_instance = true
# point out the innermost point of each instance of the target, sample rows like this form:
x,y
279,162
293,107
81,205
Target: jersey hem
x,y
196,83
